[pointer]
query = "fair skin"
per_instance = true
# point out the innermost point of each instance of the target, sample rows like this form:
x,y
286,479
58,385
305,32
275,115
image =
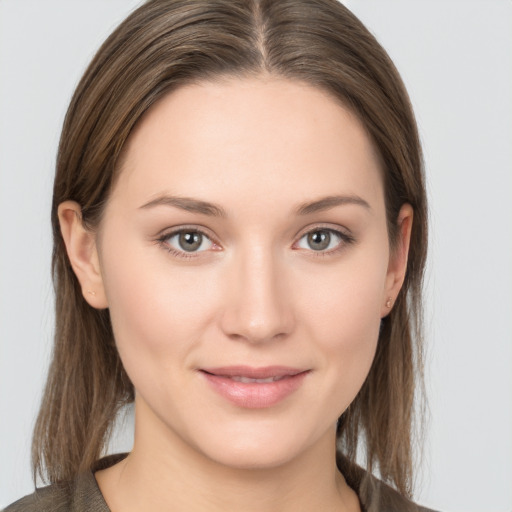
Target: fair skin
x,y
263,286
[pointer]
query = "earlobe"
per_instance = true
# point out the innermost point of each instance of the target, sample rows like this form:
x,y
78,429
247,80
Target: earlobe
x,y
397,267
82,252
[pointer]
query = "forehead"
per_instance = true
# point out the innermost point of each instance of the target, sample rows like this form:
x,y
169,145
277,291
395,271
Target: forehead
x,y
257,137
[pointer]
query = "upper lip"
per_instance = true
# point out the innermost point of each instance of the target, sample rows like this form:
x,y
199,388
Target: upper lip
x,y
263,372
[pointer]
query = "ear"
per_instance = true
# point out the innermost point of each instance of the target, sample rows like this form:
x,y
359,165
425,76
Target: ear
x,y
398,259
82,253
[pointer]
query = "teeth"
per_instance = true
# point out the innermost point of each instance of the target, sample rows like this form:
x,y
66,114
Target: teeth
x,y
247,380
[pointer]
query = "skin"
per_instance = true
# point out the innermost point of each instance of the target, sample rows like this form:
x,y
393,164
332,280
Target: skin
x,y
255,293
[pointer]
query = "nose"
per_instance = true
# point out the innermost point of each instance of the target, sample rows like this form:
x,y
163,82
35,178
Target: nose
x,y
257,306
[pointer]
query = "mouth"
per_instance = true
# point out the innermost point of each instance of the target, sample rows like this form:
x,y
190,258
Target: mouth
x,y
254,388
248,380
250,374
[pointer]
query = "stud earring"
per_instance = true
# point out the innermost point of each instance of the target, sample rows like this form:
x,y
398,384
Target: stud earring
x,y
389,302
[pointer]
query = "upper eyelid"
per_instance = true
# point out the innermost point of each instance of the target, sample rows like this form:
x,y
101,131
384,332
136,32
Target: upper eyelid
x,y
323,226
168,232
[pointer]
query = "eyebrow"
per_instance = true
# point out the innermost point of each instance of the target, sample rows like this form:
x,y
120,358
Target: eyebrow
x,y
205,208
188,204
326,203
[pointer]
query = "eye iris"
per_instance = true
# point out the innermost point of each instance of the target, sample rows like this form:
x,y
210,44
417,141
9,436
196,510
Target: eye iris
x,y
190,241
319,240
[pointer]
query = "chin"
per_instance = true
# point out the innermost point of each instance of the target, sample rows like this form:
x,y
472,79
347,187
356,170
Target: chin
x,y
253,458
255,450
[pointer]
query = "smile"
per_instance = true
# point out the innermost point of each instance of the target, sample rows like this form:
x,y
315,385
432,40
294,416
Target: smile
x,y
254,388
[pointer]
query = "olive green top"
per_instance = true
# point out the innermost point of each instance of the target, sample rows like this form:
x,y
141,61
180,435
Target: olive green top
x,y
84,495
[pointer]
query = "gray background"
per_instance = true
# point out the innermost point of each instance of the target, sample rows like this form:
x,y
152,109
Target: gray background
x,y
456,60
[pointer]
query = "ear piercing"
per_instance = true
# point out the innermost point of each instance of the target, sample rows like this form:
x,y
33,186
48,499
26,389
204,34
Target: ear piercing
x,y
389,302
92,292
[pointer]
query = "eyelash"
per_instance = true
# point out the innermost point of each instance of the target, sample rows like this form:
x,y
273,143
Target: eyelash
x,y
162,241
345,238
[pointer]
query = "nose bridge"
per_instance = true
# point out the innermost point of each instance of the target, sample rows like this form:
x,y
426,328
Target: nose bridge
x,y
257,307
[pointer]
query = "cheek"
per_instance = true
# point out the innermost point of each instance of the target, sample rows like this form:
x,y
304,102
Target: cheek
x,y
156,310
346,299
343,309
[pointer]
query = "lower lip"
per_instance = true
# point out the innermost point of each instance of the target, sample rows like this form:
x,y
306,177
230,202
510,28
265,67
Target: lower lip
x,y
255,395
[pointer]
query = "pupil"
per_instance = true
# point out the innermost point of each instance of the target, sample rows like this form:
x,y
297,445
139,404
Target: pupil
x,y
190,241
319,240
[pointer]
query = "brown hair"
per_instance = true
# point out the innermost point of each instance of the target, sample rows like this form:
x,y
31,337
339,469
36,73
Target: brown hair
x,y
159,47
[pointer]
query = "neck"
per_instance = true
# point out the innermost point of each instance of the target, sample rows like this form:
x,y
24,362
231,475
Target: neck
x,y
172,475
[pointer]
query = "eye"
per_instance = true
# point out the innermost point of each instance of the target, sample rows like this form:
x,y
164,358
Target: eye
x,y
186,241
323,240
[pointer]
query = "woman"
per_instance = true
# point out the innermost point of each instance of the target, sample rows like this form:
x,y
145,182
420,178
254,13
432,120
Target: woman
x,y
240,231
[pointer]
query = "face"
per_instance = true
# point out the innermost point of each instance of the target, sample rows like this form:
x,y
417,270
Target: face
x,y
245,261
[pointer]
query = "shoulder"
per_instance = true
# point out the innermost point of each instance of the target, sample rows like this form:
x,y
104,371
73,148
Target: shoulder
x,y
374,495
81,495
379,497
53,498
